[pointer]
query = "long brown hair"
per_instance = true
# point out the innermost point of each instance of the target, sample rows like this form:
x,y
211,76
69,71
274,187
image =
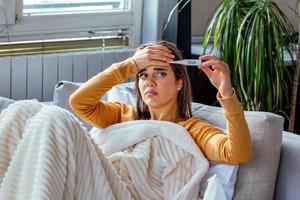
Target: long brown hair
x,y
184,97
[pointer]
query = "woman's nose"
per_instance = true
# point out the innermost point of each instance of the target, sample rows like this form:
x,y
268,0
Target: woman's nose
x,y
151,81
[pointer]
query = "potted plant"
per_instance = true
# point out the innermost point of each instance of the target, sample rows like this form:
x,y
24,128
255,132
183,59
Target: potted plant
x,y
253,36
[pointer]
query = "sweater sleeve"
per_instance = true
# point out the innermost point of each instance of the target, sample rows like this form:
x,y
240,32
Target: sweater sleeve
x,y
85,101
232,148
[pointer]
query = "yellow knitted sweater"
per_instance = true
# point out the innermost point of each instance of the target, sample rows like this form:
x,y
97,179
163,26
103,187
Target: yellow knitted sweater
x,y
233,147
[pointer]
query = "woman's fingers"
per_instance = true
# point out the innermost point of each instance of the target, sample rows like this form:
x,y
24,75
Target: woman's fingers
x,y
158,55
208,57
214,68
206,70
159,47
216,65
211,63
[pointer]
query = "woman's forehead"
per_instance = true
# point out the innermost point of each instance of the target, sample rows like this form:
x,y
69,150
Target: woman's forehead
x,y
157,68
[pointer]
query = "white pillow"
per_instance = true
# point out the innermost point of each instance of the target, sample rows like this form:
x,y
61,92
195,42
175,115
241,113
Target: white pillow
x,y
122,93
214,189
227,175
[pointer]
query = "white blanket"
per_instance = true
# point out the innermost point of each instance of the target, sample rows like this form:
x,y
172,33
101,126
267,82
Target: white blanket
x,y
144,151
48,155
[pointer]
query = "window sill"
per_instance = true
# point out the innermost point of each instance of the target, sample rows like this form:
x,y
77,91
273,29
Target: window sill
x,y
60,46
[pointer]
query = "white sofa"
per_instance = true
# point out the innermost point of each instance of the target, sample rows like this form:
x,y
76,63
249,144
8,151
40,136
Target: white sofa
x,y
274,171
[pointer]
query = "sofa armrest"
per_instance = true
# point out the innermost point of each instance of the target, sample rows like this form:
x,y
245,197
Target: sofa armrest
x,y
288,176
266,135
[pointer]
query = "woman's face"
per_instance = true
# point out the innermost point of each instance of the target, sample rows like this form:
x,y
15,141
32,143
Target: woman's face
x,y
159,87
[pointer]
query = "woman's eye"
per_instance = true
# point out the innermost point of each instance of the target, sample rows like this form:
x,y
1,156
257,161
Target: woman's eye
x,y
143,76
161,74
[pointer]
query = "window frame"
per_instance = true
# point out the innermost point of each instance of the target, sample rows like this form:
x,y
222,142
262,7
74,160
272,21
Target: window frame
x,y
61,26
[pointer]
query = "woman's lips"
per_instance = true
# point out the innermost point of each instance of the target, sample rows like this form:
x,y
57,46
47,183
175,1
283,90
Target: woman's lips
x,y
151,93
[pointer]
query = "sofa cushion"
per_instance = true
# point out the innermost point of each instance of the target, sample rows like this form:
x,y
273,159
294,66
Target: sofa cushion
x,y
256,179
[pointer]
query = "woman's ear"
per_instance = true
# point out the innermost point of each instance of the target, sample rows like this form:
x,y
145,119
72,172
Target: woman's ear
x,y
179,84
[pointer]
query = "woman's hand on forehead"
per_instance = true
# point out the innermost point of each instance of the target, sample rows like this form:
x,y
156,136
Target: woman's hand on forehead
x,y
160,47
154,55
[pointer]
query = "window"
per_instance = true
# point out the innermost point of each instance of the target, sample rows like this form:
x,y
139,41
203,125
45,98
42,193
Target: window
x,y
46,7
46,20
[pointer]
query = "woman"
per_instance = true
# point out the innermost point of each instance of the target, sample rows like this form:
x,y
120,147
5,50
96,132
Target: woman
x,y
46,153
164,93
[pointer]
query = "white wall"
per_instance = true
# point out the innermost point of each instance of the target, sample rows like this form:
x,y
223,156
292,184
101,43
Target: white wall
x,y
203,9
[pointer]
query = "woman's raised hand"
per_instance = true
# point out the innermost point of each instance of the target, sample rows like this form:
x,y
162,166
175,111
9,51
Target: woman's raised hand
x,y
154,55
218,74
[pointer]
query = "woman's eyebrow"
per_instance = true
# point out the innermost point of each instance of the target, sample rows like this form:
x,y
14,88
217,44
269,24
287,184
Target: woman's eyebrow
x,y
142,71
156,69
160,69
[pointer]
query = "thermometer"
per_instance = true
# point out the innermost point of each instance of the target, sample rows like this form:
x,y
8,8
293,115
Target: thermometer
x,y
187,62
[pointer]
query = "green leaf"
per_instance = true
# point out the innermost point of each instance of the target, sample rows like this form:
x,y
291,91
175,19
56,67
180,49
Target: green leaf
x,y
253,35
